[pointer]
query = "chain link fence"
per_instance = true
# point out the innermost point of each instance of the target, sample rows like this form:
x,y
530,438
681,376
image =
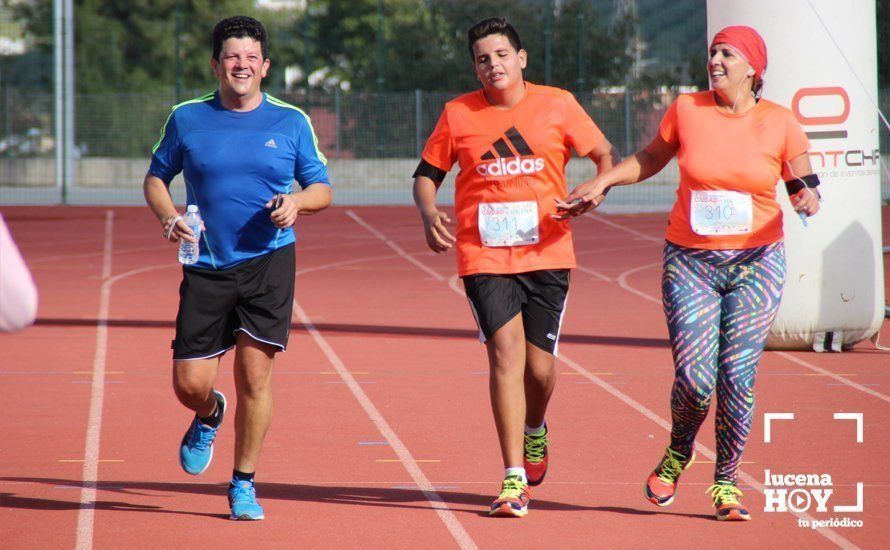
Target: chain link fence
x,y
373,142
372,138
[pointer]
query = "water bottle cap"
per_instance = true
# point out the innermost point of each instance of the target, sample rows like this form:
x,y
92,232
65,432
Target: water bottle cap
x,y
192,208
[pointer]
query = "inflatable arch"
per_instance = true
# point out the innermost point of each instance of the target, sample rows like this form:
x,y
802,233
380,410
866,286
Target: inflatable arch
x,y
823,66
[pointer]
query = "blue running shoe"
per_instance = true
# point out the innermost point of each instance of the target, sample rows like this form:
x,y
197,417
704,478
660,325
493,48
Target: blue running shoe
x,y
196,449
242,501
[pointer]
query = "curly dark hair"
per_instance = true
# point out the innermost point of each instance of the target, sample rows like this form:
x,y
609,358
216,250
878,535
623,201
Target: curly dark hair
x,y
493,25
239,26
757,88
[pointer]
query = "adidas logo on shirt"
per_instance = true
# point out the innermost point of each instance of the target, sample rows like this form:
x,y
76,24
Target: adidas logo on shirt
x,y
516,165
271,143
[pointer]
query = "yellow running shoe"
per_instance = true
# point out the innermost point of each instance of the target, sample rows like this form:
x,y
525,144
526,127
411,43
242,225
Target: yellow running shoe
x,y
513,500
726,501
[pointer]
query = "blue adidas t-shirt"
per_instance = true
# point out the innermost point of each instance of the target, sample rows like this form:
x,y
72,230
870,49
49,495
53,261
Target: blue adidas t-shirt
x,y
233,163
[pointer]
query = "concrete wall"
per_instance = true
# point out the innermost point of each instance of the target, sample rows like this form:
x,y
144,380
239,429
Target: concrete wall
x,y
356,182
364,175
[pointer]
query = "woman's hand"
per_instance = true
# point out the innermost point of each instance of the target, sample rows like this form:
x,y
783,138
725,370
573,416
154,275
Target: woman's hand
x,y
582,199
806,201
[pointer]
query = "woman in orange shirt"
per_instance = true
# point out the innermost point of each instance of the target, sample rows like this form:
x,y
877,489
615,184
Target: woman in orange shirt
x,y
511,140
724,261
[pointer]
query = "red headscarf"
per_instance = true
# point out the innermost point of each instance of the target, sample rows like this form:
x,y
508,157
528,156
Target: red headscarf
x,y
748,42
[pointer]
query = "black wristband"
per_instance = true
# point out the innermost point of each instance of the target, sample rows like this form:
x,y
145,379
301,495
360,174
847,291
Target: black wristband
x,y
810,181
427,170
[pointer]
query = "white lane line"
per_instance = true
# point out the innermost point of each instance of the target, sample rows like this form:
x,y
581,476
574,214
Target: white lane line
x,y
454,526
66,257
664,424
162,247
839,378
89,477
700,448
344,263
594,273
598,251
86,513
452,283
624,228
401,251
622,281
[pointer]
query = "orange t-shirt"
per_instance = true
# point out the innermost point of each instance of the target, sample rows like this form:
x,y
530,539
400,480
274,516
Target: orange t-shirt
x,y
720,151
508,156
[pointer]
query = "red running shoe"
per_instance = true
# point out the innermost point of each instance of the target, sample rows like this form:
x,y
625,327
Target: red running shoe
x,y
535,457
662,483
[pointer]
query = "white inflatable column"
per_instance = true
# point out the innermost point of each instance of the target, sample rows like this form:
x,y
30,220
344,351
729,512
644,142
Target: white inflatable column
x,y
822,64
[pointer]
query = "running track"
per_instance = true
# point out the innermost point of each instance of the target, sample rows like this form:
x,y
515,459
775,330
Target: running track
x,y
382,435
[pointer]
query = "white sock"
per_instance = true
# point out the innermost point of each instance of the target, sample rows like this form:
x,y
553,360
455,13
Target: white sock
x,y
535,431
516,472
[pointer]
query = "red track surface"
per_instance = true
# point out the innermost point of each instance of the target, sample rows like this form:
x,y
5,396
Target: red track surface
x,y
391,370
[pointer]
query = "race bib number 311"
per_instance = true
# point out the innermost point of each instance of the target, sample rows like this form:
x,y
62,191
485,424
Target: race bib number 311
x,y
508,223
721,213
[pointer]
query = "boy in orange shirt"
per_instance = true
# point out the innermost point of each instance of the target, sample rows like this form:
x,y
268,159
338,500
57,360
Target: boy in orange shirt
x,y
512,141
724,260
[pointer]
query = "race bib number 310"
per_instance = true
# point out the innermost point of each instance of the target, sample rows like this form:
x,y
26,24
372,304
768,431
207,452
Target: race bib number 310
x,y
721,213
508,223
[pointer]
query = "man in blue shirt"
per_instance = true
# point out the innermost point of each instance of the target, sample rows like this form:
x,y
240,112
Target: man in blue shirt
x,y
240,151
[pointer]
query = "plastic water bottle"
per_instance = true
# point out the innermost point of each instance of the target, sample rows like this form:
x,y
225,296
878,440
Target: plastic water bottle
x,y
189,251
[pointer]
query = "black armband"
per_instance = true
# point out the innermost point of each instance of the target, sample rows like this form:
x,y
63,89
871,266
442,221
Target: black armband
x,y
427,170
811,181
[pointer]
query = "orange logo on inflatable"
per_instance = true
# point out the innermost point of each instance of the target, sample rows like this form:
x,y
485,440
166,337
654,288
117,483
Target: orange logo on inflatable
x,y
836,91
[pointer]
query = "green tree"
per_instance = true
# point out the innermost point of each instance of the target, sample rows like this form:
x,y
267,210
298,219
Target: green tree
x,y
129,45
125,67
600,42
425,42
345,44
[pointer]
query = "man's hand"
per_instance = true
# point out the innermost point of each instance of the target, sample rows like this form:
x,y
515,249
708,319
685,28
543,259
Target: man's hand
x,y
285,209
174,229
437,236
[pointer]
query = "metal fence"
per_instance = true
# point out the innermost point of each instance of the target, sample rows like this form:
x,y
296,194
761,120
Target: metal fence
x,y
622,59
373,142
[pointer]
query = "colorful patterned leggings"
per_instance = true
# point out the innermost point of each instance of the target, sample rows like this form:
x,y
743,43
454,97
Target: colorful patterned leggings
x,y
719,306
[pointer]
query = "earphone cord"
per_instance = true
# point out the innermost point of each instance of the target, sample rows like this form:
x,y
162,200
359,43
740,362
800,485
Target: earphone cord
x,y
738,88
795,176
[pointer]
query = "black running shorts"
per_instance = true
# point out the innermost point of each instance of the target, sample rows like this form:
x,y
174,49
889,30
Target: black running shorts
x,y
539,295
255,296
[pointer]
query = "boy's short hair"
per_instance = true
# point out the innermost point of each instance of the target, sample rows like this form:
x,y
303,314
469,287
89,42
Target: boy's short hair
x,y
239,26
493,25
